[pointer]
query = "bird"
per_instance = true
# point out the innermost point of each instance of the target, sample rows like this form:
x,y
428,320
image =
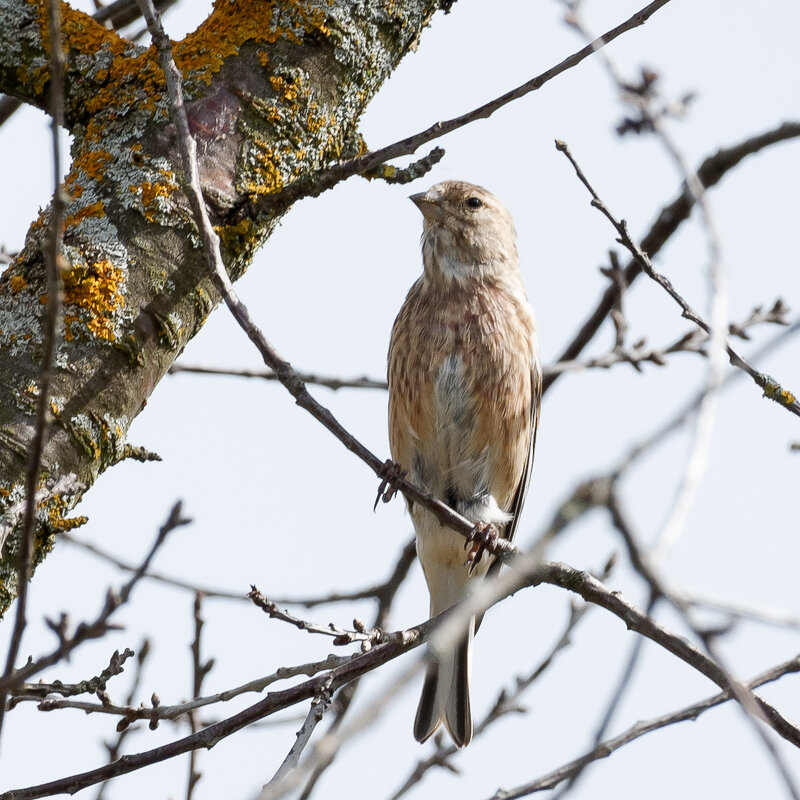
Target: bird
x,y
465,384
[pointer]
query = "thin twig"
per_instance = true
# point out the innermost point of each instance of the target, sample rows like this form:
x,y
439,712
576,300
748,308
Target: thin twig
x,y
606,748
114,749
130,714
199,671
710,172
561,575
91,686
636,355
319,182
376,591
771,388
329,382
319,705
98,627
739,611
127,566
341,636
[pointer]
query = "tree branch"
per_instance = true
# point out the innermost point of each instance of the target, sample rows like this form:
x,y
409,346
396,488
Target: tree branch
x,y
669,219
771,388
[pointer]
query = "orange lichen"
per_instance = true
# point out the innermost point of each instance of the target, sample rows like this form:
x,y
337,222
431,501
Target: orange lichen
x,y
96,209
234,236
95,288
17,283
315,122
268,178
79,33
232,25
150,192
93,163
35,77
57,507
287,90
85,35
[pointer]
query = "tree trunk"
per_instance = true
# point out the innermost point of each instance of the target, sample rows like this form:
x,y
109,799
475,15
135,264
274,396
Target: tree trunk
x,y
274,91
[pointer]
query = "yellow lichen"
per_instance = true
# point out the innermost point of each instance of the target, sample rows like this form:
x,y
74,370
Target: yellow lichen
x,y
268,178
56,510
59,524
234,236
96,209
315,122
17,283
230,26
151,191
95,288
286,89
93,163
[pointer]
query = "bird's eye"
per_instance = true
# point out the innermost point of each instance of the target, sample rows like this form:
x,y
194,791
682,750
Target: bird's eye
x,y
474,202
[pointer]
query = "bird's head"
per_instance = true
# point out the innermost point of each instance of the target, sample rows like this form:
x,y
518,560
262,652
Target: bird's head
x,y
467,232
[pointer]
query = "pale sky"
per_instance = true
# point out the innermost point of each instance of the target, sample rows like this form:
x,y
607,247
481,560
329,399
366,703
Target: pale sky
x,y
279,503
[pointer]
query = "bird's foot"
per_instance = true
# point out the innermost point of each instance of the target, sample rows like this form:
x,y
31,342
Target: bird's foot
x,y
482,537
390,473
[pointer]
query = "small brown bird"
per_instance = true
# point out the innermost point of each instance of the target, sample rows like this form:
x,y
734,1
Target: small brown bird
x,y
464,390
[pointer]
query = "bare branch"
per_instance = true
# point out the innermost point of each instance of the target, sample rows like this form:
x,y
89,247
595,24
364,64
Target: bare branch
x,y
130,714
149,574
319,705
90,686
669,219
588,587
328,382
771,388
606,748
340,635
115,748
101,624
635,355
314,185
199,671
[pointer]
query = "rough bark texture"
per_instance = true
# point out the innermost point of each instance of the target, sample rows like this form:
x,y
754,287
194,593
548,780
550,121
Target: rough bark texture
x,y
274,92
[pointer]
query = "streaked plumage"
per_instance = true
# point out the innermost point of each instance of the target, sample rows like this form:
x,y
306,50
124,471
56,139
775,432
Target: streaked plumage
x,y
464,389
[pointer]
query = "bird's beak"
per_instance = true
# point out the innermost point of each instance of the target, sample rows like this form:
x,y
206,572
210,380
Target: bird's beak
x,y
430,209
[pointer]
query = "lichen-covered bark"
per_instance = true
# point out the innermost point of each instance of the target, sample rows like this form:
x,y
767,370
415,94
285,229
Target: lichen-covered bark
x,y
274,92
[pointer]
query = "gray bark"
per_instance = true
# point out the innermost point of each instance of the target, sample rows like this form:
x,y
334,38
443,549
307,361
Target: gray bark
x,y
274,93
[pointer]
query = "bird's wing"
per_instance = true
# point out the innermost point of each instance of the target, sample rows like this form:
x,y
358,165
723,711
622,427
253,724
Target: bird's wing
x,y
522,487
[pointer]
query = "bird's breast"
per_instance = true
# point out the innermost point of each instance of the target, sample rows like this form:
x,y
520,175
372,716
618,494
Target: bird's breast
x,y
459,375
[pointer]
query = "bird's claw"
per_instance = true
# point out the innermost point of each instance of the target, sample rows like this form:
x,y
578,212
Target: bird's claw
x,y
390,473
482,537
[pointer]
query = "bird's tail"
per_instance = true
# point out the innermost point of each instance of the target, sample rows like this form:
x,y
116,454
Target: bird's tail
x,y
445,694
